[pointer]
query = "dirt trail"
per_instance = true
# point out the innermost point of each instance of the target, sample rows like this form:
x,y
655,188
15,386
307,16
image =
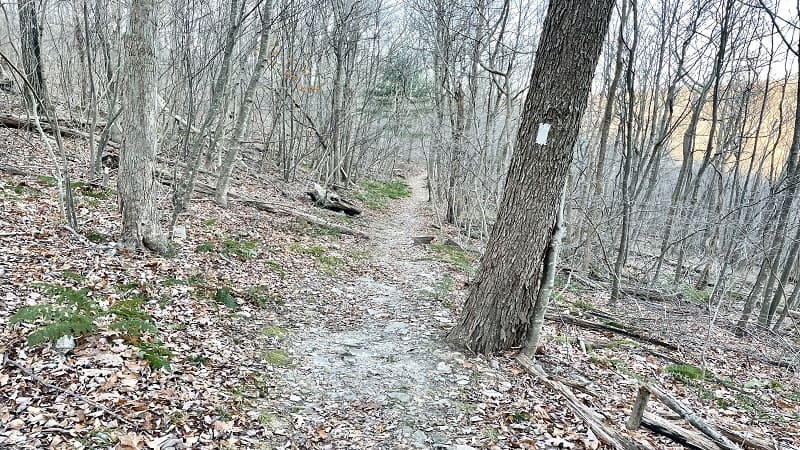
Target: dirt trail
x,y
387,380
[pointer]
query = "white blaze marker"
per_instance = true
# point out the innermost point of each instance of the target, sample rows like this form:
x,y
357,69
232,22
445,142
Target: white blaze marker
x,y
542,132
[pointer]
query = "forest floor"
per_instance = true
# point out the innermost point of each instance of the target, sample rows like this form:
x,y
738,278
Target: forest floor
x,y
275,333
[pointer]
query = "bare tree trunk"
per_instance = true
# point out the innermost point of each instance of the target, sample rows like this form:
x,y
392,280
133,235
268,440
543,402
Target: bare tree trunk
x,y
234,144
497,313
549,269
136,184
780,290
31,49
627,162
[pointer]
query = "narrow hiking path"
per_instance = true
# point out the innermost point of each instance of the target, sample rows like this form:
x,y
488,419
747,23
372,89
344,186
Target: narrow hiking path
x,y
374,372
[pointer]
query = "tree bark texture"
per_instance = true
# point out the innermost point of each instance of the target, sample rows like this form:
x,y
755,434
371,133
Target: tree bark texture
x,y
31,49
136,184
498,310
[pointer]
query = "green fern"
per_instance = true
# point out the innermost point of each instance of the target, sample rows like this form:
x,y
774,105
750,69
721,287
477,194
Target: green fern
x,y
134,327
155,353
76,326
74,314
131,319
32,313
129,309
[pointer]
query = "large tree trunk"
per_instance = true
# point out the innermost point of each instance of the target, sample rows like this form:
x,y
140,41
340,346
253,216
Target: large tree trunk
x,y
498,310
136,184
31,50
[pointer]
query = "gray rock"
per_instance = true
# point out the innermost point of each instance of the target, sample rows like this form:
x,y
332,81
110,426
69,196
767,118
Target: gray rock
x,y
443,368
419,437
179,232
462,447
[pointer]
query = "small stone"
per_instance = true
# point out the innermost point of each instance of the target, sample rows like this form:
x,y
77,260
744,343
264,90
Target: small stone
x,y
462,447
64,344
179,232
443,368
419,437
295,398
494,364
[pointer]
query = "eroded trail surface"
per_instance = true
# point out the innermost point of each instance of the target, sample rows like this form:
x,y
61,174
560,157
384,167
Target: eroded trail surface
x,y
373,371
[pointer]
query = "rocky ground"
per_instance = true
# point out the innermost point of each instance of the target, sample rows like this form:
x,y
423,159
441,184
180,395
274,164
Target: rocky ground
x,y
375,372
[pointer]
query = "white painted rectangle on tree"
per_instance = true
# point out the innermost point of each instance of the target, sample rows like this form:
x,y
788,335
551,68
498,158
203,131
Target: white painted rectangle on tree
x,y
542,132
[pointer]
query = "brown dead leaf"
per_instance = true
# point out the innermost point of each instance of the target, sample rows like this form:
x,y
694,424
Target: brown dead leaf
x,y
223,427
130,441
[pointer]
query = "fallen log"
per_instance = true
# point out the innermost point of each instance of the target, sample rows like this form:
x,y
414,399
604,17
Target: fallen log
x,y
286,210
792,313
329,199
680,435
592,418
20,122
745,439
273,208
600,326
689,415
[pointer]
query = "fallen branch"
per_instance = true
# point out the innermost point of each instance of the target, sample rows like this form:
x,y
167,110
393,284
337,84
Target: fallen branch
x,y
273,208
793,365
649,294
633,291
592,418
422,240
14,233
80,237
690,416
21,122
600,326
745,439
680,435
289,211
